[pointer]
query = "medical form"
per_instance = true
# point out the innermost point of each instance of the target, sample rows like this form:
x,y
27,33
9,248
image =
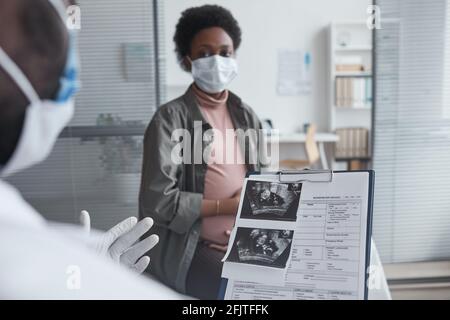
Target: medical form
x,y
330,246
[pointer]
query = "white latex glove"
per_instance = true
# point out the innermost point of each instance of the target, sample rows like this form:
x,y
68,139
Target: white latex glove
x,y
121,242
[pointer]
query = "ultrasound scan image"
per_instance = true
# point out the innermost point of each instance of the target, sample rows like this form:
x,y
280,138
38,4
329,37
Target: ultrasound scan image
x,y
271,200
265,247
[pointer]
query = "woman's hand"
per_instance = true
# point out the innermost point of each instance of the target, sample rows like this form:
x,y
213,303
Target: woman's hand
x,y
219,247
230,206
237,195
221,207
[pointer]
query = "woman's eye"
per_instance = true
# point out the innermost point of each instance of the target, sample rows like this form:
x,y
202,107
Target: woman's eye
x,y
204,54
226,54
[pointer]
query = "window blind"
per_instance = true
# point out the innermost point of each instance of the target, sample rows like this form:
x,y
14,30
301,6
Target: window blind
x,y
96,162
412,131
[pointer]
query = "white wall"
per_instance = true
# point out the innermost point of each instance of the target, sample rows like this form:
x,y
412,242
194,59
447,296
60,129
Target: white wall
x,y
268,26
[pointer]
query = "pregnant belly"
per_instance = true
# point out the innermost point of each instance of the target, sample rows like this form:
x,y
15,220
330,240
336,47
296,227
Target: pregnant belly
x,y
213,228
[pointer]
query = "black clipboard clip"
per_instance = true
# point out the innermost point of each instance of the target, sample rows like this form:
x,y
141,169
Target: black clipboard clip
x,y
308,172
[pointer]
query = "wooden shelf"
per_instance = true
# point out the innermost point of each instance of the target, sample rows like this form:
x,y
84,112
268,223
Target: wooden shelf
x,y
359,45
357,55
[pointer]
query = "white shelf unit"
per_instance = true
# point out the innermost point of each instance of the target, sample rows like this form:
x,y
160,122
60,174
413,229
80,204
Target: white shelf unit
x,y
350,43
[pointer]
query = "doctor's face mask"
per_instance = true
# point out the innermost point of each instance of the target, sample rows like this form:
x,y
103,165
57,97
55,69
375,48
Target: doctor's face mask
x,y
44,119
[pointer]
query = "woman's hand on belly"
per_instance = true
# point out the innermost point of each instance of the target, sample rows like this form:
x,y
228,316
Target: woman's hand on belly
x,y
219,247
230,206
221,207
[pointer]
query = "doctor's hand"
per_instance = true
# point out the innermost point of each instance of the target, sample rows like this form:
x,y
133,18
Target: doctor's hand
x,y
122,242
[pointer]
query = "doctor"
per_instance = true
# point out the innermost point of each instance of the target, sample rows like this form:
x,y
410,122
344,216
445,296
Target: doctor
x,y
38,77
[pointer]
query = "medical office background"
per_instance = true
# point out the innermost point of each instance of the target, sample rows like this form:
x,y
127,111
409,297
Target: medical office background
x,y
293,54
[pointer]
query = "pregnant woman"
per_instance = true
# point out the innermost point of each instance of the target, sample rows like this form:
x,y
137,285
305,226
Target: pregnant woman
x,y
194,204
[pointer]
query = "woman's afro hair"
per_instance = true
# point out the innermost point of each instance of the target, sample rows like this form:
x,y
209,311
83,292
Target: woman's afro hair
x,y
196,19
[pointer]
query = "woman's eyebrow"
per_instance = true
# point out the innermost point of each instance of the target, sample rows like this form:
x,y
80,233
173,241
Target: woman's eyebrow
x,y
205,46
209,46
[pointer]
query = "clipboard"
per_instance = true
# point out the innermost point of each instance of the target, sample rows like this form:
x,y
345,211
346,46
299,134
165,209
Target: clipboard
x,y
283,177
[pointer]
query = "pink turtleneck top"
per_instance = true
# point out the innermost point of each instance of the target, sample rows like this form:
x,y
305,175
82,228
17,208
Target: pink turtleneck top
x,y
226,169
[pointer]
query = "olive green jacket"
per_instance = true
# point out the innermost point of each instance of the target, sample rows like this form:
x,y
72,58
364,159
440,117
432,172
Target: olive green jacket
x,y
172,193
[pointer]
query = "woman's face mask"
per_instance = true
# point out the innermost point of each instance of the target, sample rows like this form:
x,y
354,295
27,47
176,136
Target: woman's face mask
x,y
213,74
44,119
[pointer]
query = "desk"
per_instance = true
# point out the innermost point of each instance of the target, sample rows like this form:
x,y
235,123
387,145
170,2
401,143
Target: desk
x,y
320,137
